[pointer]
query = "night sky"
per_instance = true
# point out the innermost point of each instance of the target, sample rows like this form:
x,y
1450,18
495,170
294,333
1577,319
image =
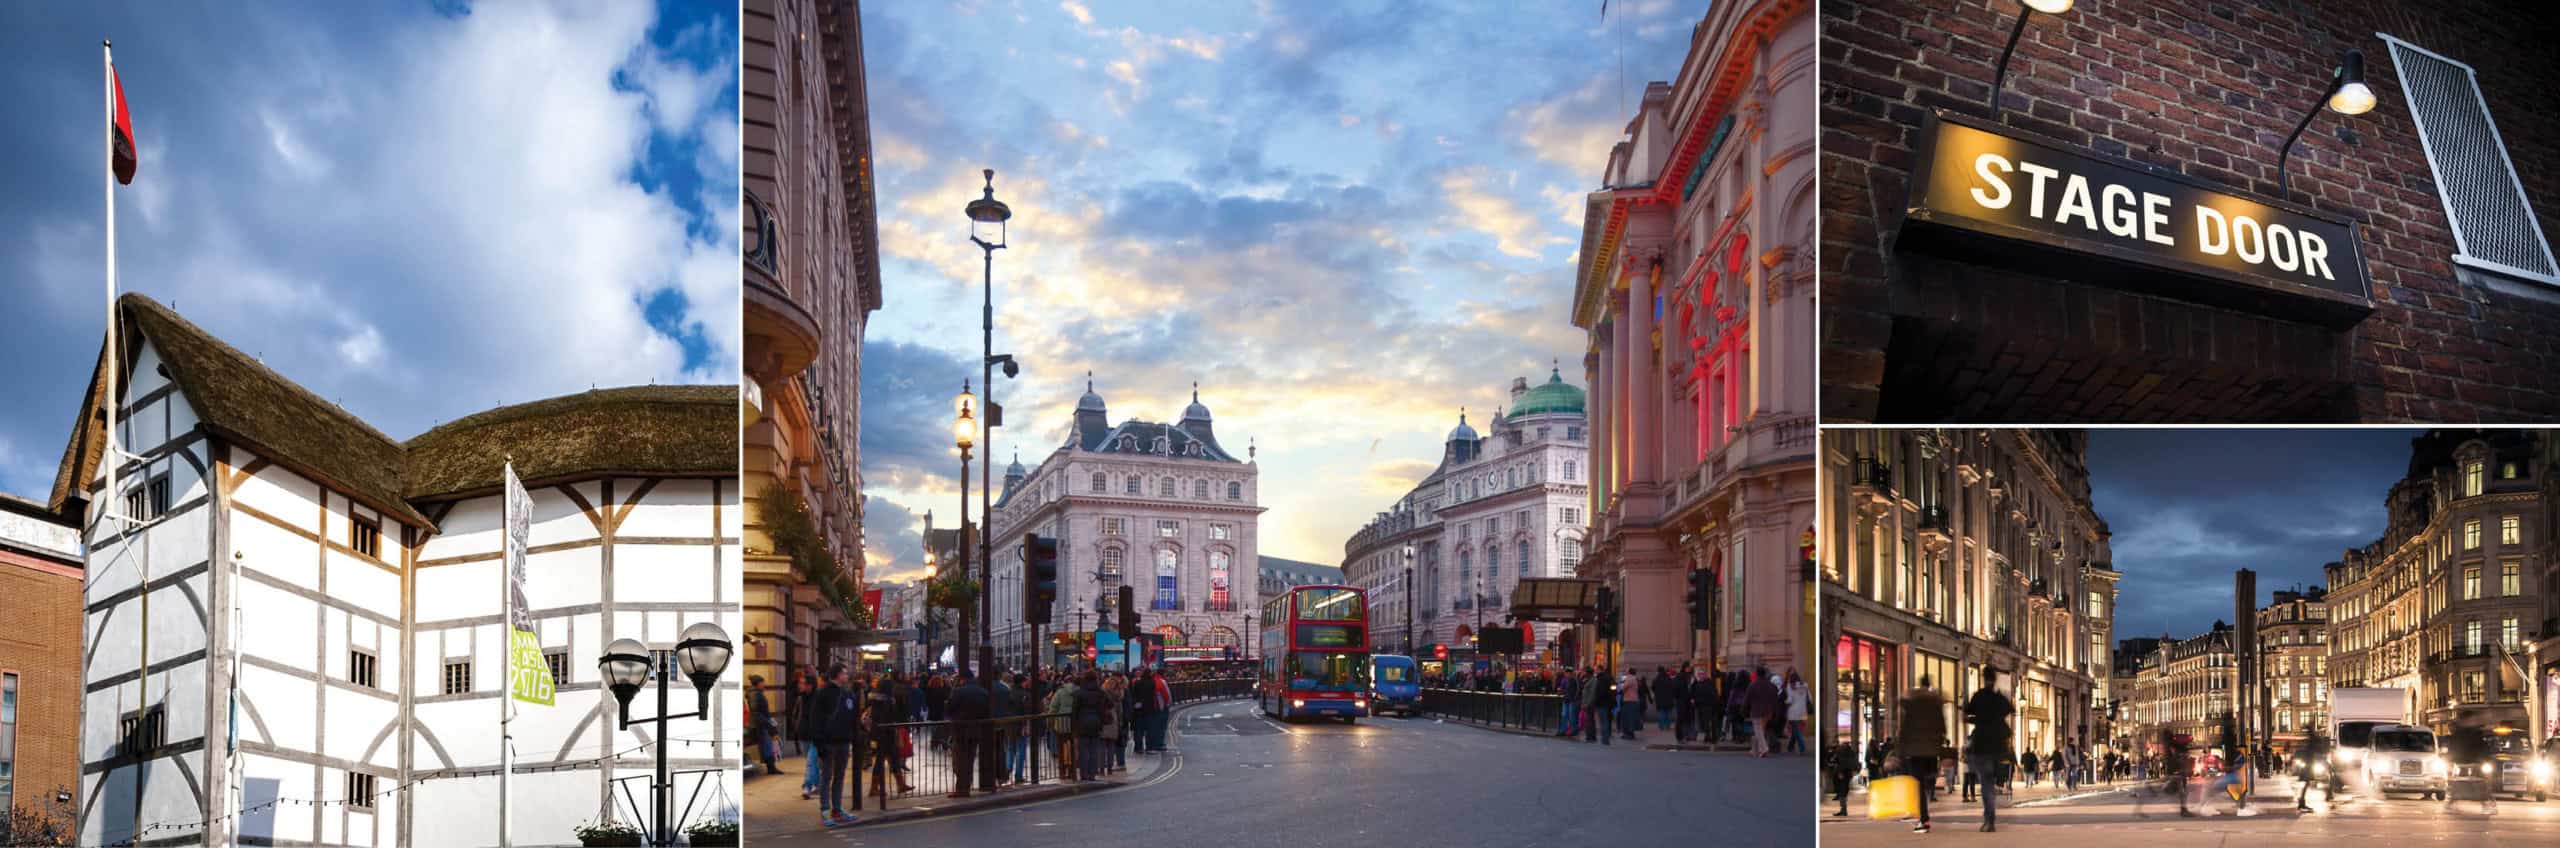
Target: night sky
x,y
2188,506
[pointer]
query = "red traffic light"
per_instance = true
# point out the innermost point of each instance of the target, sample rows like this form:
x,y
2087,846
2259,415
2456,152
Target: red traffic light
x,y
1439,651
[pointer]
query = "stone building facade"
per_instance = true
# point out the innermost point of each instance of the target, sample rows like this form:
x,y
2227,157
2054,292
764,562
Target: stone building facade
x,y
2293,643
2463,294
40,691
811,280
2185,686
1695,289
1160,507
1500,506
2448,601
1946,551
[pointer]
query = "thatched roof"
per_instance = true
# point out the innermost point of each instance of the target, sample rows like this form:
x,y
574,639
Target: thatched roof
x,y
637,431
242,400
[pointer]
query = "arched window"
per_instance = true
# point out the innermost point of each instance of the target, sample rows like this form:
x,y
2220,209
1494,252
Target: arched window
x,y
1466,575
1219,599
1168,566
1221,637
1492,569
1235,491
1164,488
1200,490
1524,557
1569,557
1101,483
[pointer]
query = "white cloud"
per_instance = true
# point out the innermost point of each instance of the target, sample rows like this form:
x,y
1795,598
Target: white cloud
x,y
362,348
1476,207
1078,10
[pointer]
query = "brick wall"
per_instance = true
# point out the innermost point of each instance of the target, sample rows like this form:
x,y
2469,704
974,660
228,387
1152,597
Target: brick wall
x,y
40,603
2207,88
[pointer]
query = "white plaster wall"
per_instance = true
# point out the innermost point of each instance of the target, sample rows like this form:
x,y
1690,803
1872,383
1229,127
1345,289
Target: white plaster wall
x,y
287,707
276,492
663,573
266,778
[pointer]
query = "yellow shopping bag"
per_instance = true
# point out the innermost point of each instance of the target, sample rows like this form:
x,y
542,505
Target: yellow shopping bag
x,y
1893,798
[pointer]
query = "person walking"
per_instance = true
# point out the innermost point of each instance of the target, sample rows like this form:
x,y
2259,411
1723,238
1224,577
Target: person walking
x,y
937,697
1061,705
1737,706
1569,686
1987,746
1599,703
1666,698
1631,697
831,712
1768,708
1706,699
1922,738
1799,706
1092,709
2315,761
884,711
2174,767
970,707
804,696
2031,766
1160,722
760,722
1114,752
1842,765
2473,759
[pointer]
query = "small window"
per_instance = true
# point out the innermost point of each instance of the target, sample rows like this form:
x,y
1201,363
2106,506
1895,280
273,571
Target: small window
x,y
359,791
2510,530
1168,529
1568,471
1235,491
1164,488
2471,474
1113,526
558,660
144,731
1200,490
457,677
149,499
365,536
1101,484
363,668
2471,535
1132,488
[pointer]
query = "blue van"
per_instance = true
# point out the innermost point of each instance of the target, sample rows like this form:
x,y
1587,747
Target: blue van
x,y
1395,685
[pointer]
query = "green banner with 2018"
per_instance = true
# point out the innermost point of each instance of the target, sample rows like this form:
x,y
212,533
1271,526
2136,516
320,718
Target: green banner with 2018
x,y
528,676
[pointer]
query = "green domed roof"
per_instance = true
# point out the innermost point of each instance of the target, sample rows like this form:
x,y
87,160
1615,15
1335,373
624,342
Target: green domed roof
x,y
1556,396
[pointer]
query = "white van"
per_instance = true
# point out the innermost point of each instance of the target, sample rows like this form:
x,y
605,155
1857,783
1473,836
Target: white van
x,y
2392,758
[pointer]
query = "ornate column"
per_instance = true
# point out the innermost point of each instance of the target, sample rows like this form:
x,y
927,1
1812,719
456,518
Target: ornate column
x,y
1645,383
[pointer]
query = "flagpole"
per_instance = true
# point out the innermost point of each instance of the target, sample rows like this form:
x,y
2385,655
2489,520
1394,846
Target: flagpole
x,y
507,698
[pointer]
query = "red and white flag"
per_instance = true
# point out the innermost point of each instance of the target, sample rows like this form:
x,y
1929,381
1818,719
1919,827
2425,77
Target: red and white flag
x,y
121,131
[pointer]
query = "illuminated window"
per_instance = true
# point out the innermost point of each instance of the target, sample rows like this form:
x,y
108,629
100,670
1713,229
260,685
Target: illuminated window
x,y
2510,578
2471,535
1167,566
2471,473
2471,583
2510,530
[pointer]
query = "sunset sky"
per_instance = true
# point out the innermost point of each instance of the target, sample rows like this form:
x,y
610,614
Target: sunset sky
x,y
1345,221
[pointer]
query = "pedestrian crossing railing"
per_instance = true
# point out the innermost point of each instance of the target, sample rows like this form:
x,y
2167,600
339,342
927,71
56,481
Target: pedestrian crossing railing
x,y
1544,713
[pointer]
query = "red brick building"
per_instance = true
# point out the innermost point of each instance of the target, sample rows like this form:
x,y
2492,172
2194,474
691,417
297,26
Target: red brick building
x,y
39,660
2439,185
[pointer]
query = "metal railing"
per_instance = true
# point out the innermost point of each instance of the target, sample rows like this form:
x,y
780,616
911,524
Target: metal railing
x,y
1187,691
1498,709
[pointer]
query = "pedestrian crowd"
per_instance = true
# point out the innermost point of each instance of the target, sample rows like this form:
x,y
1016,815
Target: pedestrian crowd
x,y
846,722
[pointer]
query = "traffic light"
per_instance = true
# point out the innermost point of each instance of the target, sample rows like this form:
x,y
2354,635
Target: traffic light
x,y
1128,611
1608,613
1698,583
1040,563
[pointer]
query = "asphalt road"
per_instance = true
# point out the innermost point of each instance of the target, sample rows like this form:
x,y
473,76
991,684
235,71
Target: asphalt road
x,y
1247,782
2109,819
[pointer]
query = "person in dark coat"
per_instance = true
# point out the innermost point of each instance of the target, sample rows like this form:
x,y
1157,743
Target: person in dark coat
x,y
1921,738
970,707
1706,700
1092,711
1599,702
884,709
1768,710
830,712
1843,768
760,724
1666,700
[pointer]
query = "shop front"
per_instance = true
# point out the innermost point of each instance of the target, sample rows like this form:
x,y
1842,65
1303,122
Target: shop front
x,y
1867,682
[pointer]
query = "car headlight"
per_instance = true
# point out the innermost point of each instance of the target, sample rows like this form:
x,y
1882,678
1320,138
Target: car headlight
x,y
2436,764
1294,702
2319,770
2542,770
2345,757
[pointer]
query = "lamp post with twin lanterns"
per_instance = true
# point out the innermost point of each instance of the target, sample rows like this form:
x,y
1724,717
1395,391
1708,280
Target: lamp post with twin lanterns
x,y
702,654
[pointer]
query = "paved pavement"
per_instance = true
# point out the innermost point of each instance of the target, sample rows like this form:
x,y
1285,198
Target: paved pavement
x,y
1238,780
2128,816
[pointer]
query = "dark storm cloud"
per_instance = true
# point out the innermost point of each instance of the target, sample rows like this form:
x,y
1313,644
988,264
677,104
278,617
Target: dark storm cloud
x,y
907,391
2189,506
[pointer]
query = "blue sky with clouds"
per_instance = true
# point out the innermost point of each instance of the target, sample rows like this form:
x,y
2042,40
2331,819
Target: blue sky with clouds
x,y
2188,506
417,210
1344,220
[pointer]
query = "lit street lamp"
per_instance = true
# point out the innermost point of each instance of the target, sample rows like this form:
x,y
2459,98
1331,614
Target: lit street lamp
x,y
702,654
987,217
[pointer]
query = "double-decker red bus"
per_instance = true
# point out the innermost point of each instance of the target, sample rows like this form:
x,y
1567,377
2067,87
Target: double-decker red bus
x,y
1315,653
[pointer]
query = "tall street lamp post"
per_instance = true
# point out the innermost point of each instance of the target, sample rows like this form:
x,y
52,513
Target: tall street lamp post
x,y
964,433
702,654
1404,598
987,217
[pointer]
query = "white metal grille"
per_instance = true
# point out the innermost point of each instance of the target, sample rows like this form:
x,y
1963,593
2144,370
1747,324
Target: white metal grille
x,y
2493,226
